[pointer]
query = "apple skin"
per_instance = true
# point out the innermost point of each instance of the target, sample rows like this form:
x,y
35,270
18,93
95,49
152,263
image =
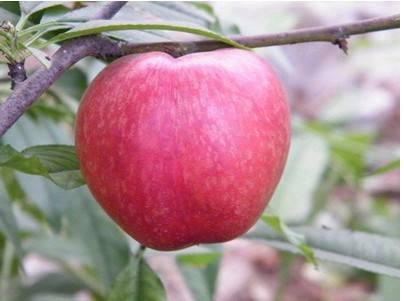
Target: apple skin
x,y
182,151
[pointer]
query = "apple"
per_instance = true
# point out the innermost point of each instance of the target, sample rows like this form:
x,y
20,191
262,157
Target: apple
x,y
183,151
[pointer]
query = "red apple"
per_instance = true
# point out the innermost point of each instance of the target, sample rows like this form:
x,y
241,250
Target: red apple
x,y
182,151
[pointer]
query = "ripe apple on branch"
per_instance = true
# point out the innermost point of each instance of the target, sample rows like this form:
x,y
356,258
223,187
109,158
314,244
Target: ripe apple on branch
x,y
182,151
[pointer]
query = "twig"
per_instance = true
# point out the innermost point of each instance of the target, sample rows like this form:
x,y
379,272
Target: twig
x,y
74,50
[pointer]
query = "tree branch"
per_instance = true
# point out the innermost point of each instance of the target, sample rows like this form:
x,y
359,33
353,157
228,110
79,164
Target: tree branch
x,y
74,50
334,34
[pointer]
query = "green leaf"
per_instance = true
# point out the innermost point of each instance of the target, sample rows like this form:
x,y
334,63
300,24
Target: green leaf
x,y
56,283
107,246
85,13
200,272
11,184
41,29
8,224
55,162
53,13
70,255
175,11
348,149
29,8
140,11
55,158
33,37
307,161
9,157
55,111
370,252
152,12
137,282
16,193
222,26
58,248
392,165
11,6
99,26
7,15
294,238
32,7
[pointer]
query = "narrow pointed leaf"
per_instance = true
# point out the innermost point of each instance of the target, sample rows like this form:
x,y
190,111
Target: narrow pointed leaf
x,y
8,224
200,272
296,239
99,26
31,7
392,165
137,282
361,250
55,162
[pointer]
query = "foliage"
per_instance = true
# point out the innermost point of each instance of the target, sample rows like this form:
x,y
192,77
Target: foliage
x,y
19,41
56,162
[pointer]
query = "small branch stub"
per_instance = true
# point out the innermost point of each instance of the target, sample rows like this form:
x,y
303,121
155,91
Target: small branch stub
x,y
17,73
342,44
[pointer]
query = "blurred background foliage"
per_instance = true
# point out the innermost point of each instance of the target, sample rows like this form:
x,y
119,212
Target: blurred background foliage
x,y
342,173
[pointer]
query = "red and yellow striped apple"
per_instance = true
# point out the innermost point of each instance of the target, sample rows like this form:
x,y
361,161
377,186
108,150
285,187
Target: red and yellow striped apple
x,y
182,151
